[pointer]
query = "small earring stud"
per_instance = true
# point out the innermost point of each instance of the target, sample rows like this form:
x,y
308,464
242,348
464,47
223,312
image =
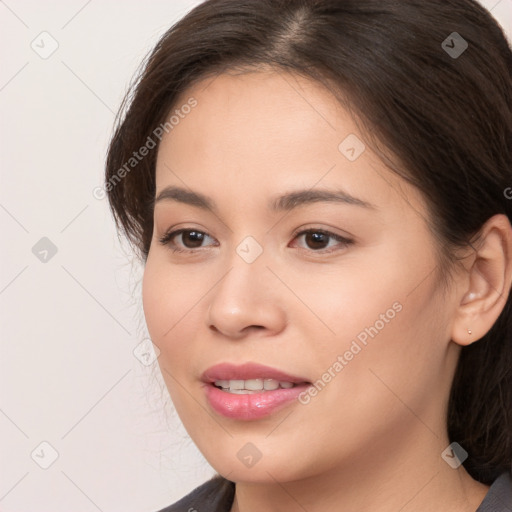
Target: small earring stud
x,y
469,331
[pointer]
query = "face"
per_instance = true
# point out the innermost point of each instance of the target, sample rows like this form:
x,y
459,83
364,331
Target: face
x,y
292,246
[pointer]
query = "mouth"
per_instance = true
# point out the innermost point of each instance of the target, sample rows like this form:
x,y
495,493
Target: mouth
x,y
250,391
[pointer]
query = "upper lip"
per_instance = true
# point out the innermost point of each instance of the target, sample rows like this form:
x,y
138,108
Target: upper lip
x,y
246,371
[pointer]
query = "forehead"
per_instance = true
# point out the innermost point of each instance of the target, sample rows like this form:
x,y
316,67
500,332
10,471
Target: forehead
x,y
259,113
263,130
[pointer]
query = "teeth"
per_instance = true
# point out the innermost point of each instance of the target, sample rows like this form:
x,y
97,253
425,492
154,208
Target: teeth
x,y
254,384
270,384
236,384
251,386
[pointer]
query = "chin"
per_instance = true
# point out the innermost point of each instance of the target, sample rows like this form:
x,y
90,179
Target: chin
x,y
268,468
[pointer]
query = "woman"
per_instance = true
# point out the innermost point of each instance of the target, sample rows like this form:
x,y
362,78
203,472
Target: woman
x,y
320,193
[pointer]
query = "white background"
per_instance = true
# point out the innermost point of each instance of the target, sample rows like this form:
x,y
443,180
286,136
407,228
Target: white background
x,y
69,326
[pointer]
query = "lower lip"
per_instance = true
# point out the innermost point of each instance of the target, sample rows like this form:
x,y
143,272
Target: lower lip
x,y
251,406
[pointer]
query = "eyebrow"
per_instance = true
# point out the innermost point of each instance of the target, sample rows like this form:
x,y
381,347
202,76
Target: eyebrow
x,y
285,202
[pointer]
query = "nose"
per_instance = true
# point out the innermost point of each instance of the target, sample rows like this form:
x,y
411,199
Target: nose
x,y
247,300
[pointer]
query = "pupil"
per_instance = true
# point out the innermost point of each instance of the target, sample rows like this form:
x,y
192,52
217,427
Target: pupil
x,y
316,238
196,238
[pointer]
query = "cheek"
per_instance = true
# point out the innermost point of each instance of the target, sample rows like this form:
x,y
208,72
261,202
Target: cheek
x,y
355,301
164,309
385,318
165,304
174,310
153,299
369,393
392,355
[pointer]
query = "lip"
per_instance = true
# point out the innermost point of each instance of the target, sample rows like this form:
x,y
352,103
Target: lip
x,y
228,371
250,406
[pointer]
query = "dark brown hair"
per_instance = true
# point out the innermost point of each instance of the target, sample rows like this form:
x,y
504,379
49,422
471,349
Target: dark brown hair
x,y
447,118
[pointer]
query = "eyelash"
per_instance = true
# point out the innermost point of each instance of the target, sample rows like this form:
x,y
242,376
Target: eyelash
x,y
167,238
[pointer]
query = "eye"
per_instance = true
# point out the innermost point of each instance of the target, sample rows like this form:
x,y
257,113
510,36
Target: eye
x,y
190,238
318,240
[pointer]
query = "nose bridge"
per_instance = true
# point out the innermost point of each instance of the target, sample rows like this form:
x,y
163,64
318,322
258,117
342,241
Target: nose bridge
x,y
245,296
248,272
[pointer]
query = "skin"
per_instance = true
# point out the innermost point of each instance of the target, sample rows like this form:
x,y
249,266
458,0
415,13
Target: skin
x,y
372,439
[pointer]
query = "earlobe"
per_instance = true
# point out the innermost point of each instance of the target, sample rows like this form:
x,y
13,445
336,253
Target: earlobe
x,y
490,277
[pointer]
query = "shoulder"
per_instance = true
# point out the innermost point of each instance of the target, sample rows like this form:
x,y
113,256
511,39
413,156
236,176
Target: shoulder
x,y
215,495
499,496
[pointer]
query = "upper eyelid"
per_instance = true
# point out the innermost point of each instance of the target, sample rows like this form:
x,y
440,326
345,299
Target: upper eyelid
x,y
173,233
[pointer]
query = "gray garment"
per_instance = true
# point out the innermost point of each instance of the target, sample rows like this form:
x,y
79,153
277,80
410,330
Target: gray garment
x,y
209,496
499,497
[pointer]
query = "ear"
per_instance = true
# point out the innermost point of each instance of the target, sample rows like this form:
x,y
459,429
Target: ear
x,y
486,286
